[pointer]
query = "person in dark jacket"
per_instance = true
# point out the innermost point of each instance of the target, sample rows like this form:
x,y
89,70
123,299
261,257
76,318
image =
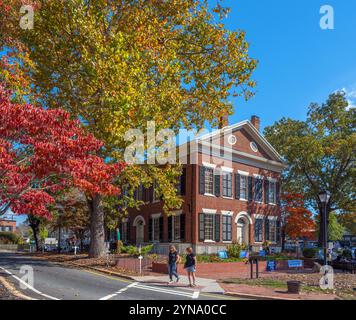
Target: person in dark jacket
x,y
173,260
190,266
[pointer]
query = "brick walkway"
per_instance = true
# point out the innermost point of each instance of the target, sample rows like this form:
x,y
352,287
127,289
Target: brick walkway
x,y
273,293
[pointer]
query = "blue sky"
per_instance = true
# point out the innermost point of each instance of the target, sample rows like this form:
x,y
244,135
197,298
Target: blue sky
x,y
299,63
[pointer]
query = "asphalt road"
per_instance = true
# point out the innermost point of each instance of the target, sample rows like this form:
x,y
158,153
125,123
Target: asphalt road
x,y
57,282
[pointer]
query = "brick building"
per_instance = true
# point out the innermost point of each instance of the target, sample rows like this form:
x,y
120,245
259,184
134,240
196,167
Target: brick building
x,y
7,225
230,191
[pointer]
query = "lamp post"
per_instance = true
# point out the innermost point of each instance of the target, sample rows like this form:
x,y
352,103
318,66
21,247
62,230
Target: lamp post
x,y
324,198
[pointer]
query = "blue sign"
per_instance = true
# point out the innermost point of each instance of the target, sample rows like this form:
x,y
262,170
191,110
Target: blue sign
x,y
271,265
243,254
262,253
222,254
295,263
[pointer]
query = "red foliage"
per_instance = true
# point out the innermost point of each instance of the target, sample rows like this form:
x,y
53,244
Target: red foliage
x,y
298,220
44,151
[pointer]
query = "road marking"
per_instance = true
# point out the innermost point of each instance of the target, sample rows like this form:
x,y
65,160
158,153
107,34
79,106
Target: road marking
x,y
196,295
28,286
108,297
168,291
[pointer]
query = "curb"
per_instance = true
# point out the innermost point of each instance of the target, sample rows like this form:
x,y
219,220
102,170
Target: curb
x,y
257,297
13,290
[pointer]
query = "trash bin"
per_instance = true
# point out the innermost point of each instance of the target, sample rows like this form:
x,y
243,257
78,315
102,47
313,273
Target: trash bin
x,y
294,286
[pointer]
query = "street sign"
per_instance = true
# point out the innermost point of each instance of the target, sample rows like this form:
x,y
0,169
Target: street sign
x,y
295,263
271,265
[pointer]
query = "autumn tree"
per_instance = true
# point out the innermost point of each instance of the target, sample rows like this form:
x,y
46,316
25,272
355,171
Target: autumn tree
x,y
298,221
43,152
348,221
321,154
118,64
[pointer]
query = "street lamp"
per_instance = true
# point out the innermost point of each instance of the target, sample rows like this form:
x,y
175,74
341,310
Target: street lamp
x,y
324,198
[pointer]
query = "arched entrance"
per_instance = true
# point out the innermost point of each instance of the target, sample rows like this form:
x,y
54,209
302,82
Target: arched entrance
x,y
139,224
243,222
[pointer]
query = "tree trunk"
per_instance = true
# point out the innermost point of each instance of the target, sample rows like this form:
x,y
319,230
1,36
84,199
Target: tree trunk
x,y
283,238
97,229
34,224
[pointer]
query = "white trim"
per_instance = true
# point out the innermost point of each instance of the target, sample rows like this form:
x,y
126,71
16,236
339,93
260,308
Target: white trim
x,y
243,173
258,216
156,215
243,214
209,195
209,241
209,211
227,213
228,198
258,176
137,219
209,165
272,179
227,169
272,218
176,213
227,242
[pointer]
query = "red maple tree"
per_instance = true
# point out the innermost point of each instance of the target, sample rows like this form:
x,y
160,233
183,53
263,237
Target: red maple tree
x,y
43,152
298,221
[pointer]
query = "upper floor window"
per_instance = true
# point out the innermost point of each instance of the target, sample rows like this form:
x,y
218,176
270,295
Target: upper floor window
x,y
209,181
272,196
227,184
226,228
243,187
258,230
258,194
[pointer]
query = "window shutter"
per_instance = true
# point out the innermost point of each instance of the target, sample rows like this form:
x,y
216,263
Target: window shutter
x,y
266,191
201,180
128,238
278,227
278,193
150,227
217,181
150,192
201,227
183,182
170,224
135,195
267,230
237,186
217,227
250,188
161,229
182,227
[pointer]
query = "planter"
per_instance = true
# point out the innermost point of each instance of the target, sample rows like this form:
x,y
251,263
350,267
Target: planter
x,y
294,286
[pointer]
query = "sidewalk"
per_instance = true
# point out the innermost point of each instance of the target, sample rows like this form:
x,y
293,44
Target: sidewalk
x,y
203,285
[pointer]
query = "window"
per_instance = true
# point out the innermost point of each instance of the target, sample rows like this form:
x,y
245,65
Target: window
x,y
209,181
176,228
155,229
124,231
181,183
243,187
139,193
258,230
258,189
209,226
272,231
227,228
227,184
272,192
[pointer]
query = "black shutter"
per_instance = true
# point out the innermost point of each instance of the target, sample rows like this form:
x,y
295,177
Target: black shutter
x,y
128,234
267,230
250,188
182,227
150,228
150,191
183,182
170,223
217,227
237,186
266,191
217,181
278,227
201,227
161,229
201,180
278,193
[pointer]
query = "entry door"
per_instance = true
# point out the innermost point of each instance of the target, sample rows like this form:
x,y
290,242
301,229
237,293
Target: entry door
x,y
139,232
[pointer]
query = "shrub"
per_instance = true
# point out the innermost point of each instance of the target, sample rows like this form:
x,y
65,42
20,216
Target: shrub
x,y
134,251
310,252
9,238
347,254
235,249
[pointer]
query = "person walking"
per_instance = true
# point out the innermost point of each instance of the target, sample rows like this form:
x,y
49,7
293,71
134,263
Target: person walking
x,y
190,266
173,260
